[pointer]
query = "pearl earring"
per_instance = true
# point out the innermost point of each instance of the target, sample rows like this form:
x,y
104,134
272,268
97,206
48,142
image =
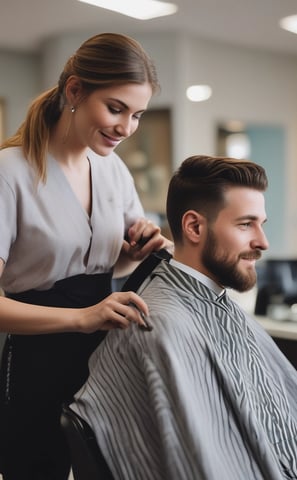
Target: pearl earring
x,y
72,109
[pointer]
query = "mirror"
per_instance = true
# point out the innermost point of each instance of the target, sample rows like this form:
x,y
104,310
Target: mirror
x,y
148,155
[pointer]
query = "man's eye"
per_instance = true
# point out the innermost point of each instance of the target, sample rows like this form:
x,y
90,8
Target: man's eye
x,y
245,225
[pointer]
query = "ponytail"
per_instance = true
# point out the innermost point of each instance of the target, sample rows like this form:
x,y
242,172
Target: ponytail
x,y
33,135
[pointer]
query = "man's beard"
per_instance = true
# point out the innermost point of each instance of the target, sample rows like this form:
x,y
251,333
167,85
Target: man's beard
x,y
226,271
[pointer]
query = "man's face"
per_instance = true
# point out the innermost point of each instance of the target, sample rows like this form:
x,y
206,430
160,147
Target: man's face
x,y
235,240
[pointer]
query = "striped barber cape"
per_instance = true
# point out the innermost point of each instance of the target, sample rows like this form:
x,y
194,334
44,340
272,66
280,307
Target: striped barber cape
x,y
205,395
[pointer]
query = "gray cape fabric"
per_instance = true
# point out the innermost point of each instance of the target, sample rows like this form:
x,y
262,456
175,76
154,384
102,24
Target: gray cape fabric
x,y
206,395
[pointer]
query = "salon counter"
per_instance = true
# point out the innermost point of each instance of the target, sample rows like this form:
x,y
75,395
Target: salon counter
x,y
279,329
284,333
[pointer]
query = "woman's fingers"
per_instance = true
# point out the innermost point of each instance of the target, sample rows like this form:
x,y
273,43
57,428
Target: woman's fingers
x,y
117,310
142,231
143,238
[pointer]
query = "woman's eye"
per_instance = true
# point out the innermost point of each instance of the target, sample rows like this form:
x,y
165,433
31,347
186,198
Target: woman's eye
x,y
137,116
114,110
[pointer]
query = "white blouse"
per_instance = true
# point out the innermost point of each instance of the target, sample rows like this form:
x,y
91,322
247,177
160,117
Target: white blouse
x,y
46,235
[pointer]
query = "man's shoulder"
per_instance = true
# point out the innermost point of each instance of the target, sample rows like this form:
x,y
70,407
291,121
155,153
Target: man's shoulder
x,y
169,289
171,313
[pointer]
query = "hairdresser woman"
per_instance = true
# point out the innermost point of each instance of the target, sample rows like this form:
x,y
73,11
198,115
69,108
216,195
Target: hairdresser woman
x,y
67,202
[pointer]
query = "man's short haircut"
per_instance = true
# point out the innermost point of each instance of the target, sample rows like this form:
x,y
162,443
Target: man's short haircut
x,y
200,183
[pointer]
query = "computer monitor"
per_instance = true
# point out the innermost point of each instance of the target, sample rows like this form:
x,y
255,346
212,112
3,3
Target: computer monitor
x,y
276,283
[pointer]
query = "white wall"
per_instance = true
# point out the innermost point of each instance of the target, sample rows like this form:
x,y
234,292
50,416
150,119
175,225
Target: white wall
x,y
19,83
254,86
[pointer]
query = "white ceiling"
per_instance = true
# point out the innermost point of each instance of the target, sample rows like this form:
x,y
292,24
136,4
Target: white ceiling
x,y
253,23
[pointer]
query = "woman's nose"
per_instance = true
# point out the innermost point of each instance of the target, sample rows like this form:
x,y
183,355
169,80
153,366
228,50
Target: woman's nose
x,y
124,127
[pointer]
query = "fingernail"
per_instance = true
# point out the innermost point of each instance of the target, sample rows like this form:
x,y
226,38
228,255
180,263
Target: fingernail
x,y
146,325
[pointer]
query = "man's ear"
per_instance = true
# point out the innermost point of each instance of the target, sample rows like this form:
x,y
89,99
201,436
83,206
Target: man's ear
x,y
73,91
193,224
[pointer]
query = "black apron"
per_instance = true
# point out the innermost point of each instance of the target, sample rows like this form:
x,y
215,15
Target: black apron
x,y
41,372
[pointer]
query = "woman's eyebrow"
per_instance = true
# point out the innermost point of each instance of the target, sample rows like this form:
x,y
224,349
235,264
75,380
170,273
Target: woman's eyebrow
x,y
118,101
124,105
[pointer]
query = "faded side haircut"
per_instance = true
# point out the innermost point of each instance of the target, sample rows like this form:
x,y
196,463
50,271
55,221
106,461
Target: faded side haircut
x,y
200,183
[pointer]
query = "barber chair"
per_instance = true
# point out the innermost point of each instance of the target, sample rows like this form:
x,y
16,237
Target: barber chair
x,y
87,460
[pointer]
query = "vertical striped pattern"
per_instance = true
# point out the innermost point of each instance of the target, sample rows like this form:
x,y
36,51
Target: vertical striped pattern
x,y
205,396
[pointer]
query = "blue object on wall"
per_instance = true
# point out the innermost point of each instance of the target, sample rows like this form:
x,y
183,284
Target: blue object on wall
x,y
268,149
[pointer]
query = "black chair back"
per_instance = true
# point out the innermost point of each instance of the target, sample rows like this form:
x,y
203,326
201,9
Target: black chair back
x,y
88,462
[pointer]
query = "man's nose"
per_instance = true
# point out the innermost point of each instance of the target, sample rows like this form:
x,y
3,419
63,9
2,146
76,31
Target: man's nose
x,y
261,241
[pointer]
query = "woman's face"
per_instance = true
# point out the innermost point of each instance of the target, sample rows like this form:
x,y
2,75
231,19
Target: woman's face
x,y
107,116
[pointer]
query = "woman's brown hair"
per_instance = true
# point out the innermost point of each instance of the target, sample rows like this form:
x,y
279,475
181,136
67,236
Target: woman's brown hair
x,y
102,61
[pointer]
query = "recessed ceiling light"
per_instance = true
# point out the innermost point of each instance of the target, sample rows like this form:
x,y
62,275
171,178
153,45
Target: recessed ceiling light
x,y
289,23
198,93
141,9
238,145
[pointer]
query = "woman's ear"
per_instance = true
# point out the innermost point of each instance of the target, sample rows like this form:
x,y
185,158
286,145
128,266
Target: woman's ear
x,y
193,225
73,91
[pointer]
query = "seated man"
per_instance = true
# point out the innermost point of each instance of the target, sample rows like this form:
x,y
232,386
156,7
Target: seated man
x,y
206,394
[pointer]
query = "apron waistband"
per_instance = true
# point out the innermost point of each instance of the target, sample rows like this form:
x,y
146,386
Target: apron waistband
x,y
74,292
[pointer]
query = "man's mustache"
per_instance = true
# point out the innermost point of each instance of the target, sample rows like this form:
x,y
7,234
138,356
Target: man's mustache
x,y
254,255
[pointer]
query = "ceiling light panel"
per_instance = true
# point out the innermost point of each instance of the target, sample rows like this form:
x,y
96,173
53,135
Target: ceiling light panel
x,y
289,23
140,9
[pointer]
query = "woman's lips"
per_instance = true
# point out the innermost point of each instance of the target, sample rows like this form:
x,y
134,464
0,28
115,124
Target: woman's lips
x,y
113,142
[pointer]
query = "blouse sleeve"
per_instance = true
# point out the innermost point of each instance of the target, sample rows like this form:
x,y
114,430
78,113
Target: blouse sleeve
x,y
133,207
8,218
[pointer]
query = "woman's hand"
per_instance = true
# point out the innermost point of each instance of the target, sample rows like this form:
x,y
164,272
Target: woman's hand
x,y
117,310
143,238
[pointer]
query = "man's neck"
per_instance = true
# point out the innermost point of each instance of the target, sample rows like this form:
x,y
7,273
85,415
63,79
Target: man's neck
x,y
194,272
